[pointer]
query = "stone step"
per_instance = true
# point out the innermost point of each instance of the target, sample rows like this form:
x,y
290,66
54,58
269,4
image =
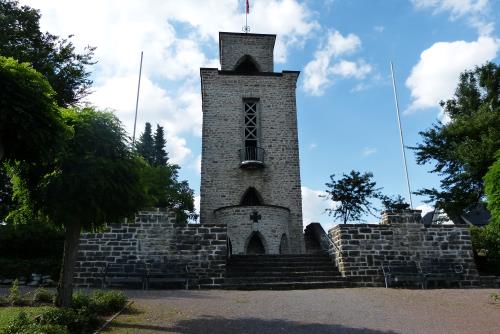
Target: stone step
x,y
288,285
279,256
250,270
277,273
280,264
283,279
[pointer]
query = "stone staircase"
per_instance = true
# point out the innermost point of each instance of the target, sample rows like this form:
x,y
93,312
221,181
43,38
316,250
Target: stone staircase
x,y
282,272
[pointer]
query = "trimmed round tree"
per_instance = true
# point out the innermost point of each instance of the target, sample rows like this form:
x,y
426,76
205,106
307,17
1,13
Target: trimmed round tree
x,y
94,180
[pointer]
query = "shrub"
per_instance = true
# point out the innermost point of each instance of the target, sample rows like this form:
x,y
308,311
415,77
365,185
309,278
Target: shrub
x,y
486,245
21,324
107,302
81,300
43,296
77,321
14,297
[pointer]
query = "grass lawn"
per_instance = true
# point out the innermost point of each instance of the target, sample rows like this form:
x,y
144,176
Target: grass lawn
x,y
8,313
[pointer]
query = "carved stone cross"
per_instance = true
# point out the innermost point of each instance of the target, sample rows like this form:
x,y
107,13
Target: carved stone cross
x,y
255,217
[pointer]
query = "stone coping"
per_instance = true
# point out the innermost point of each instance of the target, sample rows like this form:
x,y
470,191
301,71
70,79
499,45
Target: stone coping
x,y
397,224
258,74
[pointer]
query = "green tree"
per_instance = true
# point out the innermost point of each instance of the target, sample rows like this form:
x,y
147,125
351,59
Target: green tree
x,y
463,149
95,179
492,190
31,127
393,203
53,57
164,190
160,156
145,145
6,203
351,195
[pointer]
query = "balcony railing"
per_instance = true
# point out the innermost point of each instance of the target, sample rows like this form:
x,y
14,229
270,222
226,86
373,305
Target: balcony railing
x,y
252,157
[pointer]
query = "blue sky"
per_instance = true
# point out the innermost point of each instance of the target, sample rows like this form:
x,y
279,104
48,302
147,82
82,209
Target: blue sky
x,y
346,113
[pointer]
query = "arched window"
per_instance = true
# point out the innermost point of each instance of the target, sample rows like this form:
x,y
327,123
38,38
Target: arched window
x,y
246,64
251,197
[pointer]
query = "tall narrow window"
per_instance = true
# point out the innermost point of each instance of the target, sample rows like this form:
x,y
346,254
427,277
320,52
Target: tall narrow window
x,y
252,156
251,124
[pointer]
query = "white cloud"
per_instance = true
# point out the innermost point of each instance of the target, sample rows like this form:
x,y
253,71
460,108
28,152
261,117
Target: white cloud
x,y
457,8
156,106
425,208
172,56
318,72
197,164
367,151
197,206
474,10
349,69
313,146
379,29
313,208
435,76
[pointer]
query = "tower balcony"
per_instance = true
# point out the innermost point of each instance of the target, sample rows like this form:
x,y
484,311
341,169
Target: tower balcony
x,y
252,157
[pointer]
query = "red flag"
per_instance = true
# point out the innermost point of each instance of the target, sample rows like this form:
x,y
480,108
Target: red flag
x,y
248,7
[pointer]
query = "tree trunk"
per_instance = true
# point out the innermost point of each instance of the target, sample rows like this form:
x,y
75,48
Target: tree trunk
x,y
65,285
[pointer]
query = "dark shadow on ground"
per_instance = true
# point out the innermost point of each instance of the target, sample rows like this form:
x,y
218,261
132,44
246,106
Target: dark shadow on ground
x,y
221,325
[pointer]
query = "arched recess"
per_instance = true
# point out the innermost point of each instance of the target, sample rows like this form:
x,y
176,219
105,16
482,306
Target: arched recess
x,y
284,244
247,64
256,244
229,247
251,197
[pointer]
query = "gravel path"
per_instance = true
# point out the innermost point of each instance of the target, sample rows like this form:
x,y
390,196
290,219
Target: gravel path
x,y
356,311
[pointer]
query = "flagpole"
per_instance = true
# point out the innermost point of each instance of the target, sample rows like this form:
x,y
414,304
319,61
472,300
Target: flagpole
x,y
246,28
401,135
137,101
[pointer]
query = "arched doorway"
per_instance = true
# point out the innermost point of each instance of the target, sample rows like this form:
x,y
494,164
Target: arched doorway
x,y
255,245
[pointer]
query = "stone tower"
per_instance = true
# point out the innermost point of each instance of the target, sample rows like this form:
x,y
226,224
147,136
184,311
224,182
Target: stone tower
x,y
250,176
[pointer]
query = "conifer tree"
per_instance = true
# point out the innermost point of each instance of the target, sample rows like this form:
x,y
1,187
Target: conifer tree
x,y
160,155
145,145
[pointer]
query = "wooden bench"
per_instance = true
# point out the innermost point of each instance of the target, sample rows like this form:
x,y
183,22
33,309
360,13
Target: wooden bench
x,y
408,272
117,275
167,272
443,272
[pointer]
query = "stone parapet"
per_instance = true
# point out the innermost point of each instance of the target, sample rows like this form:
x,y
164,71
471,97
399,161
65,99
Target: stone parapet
x,y
401,217
154,237
360,250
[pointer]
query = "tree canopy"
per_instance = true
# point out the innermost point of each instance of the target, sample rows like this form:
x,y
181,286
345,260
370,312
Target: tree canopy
x,y
160,178
94,179
352,195
463,149
55,58
145,145
31,126
492,190
160,155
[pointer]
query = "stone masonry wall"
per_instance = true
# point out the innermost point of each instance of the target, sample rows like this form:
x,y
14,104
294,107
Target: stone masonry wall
x,y
154,236
223,182
365,248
